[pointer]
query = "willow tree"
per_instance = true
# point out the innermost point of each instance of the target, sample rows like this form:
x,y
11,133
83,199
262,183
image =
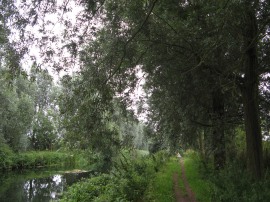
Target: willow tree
x,y
176,50
187,49
174,41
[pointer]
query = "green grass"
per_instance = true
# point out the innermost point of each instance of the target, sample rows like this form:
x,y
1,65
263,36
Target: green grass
x,y
42,159
199,186
161,189
37,159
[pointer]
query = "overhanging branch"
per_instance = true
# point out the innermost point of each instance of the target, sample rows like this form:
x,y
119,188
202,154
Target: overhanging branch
x,y
129,40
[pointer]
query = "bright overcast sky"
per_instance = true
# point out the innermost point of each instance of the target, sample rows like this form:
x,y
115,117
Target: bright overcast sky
x,y
53,29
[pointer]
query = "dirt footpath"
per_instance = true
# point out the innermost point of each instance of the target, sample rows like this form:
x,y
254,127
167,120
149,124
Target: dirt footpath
x,y
179,194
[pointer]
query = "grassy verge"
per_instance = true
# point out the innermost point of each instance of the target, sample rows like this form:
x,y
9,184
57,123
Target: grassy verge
x,y
161,188
199,186
37,159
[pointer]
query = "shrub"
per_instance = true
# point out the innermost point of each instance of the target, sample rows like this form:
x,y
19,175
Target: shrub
x,y
25,160
126,182
6,156
88,190
235,184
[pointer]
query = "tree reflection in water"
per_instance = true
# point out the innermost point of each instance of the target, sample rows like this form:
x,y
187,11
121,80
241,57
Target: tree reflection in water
x,y
38,189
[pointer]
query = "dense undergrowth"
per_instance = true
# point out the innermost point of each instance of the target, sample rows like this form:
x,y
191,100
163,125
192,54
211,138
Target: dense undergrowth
x,y
127,181
34,159
233,183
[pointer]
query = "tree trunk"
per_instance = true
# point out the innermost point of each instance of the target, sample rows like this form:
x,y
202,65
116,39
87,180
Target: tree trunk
x,y
250,98
218,129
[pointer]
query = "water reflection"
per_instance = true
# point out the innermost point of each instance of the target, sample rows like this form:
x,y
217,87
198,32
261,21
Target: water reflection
x,y
17,188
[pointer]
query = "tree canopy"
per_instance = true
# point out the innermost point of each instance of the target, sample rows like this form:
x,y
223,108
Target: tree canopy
x,y
205,66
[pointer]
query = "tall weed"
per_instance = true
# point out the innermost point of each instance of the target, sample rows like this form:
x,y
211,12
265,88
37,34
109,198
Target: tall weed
x,y
235,184
127,181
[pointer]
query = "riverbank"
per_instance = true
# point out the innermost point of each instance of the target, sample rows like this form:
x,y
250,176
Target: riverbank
x,y
43,184
34,159
127,181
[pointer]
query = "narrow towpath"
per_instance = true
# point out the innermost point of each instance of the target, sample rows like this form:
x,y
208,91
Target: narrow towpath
x,y
179,194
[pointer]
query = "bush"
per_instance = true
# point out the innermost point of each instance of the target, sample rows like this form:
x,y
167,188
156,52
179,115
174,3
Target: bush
x,y
235,184
6,156
9,160
126,182
43,159
88,190
160,158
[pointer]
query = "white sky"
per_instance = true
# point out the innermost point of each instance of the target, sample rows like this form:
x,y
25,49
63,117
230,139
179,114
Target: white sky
x,y
53,29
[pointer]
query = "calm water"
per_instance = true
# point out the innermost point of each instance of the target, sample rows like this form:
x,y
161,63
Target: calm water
x,y
36,186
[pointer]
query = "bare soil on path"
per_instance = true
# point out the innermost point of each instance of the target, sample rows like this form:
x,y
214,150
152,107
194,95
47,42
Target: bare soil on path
x,y
180,195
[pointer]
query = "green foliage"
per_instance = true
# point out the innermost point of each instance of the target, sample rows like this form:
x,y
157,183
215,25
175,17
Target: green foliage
x,y
235,184
42,159
199,185
88,190
266,152
240,140
16,112
45,125
131,131
6,156
33,159
27,110
161,187
10,53
43,135
86,107
187,56
96,121
85,159
160,158
127,181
